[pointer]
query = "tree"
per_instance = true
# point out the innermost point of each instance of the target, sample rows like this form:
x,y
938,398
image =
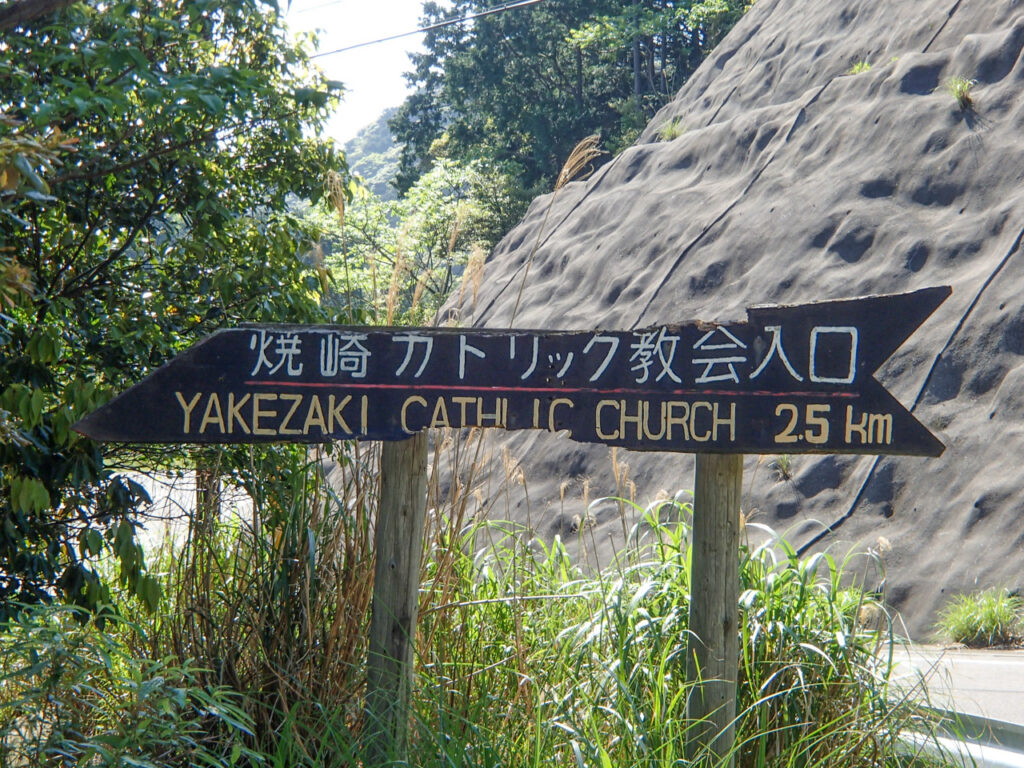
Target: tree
x,y
507,86
523,87
145,160
398,260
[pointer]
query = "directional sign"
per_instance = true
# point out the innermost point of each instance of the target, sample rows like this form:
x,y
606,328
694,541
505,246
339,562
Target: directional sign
x,y
791,379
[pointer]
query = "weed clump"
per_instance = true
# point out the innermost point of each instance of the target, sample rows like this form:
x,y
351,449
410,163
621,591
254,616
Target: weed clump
x,y
980,619
673,129
959,88
782,466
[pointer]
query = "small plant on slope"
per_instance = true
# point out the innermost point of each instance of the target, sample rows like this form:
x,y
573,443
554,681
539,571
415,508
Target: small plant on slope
x,y
782,465
978,619
860,67
960,88
673,129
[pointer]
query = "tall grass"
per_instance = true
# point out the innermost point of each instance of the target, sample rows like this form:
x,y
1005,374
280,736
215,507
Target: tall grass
x,y
524,658
531,662
275,606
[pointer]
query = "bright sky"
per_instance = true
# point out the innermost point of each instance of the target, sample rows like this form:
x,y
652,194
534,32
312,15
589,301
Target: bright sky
x,y
372,74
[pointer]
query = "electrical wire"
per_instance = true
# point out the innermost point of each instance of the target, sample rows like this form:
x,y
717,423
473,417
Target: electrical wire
x,y
449,22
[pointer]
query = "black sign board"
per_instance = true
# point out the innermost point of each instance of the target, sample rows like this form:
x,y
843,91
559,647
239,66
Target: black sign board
x,y
791,379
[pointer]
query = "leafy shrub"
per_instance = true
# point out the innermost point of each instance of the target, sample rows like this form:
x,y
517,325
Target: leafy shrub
x,y
990,617
73,694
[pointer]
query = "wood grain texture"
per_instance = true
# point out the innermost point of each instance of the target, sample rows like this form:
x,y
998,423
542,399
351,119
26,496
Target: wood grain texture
x,y
399,549
713,652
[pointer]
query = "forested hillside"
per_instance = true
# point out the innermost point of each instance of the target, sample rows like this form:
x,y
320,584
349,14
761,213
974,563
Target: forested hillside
x,y
373,156
521,89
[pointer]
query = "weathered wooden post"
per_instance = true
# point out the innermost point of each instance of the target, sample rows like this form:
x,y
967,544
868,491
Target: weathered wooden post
x,y
712,659
399,547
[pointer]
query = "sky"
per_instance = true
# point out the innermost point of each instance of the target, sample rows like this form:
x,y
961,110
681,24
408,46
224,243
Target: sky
x,y
372,74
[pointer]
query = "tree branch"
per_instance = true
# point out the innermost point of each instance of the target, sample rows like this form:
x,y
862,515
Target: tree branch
x,y
81,283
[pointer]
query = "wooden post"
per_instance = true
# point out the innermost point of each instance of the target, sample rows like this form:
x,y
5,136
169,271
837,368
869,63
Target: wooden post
x,y
399,547
713,647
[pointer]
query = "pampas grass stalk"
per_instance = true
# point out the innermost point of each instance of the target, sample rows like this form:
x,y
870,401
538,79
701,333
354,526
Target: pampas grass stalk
x,y
394,286
335,185
579,160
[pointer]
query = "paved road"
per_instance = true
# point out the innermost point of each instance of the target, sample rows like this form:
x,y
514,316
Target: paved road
x,y
988,683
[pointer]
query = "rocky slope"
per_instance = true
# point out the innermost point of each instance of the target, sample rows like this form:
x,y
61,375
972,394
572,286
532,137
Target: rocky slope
x,y
795,180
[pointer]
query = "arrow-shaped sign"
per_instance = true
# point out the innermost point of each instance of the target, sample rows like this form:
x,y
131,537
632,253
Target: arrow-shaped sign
x,y
791,379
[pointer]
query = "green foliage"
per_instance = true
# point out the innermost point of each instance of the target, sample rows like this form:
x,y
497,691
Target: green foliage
x,y
671,130
697,24
860,67
959,88
396,261
147,154
526,661
979,619
524,87
275,604
71,694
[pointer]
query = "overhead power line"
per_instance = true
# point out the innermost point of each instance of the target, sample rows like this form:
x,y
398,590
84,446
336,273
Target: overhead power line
x,y
450,22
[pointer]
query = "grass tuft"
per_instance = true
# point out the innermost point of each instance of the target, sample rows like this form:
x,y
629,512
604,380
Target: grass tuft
x,y
960,88
672,129
782,466
981,619
859,68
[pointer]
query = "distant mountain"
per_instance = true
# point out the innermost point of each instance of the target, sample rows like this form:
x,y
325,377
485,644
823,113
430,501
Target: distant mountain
x,y
373,155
